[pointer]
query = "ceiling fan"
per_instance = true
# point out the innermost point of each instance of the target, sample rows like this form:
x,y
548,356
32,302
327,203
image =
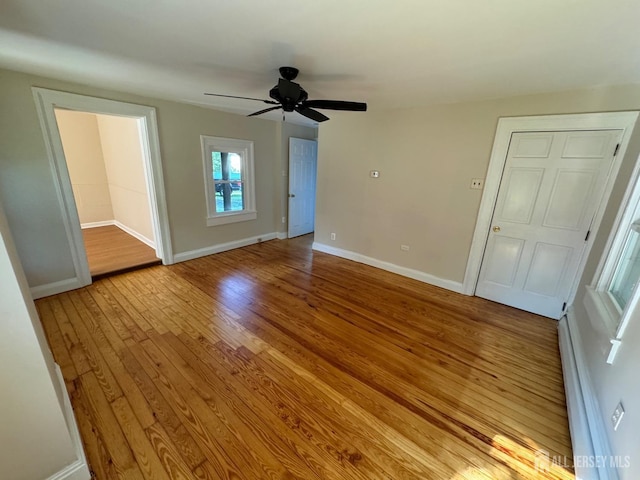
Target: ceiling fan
x,y
290,96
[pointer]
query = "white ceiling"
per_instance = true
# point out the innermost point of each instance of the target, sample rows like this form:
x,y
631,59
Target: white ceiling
x,y
388,53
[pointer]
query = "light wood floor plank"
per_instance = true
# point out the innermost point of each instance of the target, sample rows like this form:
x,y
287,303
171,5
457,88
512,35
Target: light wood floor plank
x,y
276,362
111,249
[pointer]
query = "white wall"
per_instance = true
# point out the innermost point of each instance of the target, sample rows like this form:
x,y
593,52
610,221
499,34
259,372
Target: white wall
x,y
35,442
123,159
83,151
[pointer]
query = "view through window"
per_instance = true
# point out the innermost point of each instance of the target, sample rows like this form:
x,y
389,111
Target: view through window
x,y
228,181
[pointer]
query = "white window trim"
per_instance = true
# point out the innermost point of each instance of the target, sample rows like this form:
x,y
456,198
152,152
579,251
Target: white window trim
x,y
244,148
603,312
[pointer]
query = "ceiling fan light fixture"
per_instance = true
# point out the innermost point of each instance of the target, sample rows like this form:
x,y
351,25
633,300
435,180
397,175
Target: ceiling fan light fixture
x,y
290,97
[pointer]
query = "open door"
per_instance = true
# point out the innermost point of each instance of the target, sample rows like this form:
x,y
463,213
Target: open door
x,y
303,159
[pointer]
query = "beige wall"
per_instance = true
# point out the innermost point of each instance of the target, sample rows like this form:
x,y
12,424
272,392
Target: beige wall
x,y
28,191
125,172
426,158
83,151
34,436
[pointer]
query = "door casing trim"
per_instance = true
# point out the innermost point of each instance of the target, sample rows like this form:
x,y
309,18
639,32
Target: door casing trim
x,y
507,126
46,101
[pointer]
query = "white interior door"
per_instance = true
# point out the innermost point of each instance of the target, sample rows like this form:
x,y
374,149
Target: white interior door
x,y
303,158
551,187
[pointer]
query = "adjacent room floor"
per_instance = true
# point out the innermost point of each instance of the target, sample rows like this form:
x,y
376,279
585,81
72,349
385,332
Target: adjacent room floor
x,y
111,250
276,362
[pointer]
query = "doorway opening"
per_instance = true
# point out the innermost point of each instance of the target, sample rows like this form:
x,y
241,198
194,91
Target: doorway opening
x,y
107,172
48,104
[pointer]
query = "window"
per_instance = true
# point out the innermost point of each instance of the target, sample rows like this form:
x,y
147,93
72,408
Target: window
x,y
229,182
614,293
627,271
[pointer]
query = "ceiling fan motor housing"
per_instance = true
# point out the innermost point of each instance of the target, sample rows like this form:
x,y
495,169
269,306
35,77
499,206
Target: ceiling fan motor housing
x,y
288,94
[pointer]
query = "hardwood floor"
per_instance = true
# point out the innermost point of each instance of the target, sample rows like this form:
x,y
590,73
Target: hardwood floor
x,y
110,250
276,362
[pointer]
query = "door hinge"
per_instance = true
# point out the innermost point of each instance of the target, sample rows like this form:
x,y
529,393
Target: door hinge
x,y
615,152
564,306
587,235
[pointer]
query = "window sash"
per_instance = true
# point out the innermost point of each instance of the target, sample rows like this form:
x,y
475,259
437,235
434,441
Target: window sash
x,y
626,274
244,149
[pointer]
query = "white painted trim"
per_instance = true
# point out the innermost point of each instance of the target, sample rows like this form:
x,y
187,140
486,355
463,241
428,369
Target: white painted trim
x,y
604,313
624,121
46,102
390,267
133,233
282,235
624,217
78,470
62,184
231,217
222,247
104,223
244,148
578,423
588,434
54,288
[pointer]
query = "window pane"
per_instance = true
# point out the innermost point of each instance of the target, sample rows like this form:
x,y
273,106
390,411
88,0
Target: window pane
x,y
227,176
235,198
627,271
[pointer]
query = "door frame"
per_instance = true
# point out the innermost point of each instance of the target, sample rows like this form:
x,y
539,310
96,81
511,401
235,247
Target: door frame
x,y
46,102
507,126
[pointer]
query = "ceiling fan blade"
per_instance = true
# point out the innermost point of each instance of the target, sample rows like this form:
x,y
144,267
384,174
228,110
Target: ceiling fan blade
x,y
271,102
312,114
264,111
336,105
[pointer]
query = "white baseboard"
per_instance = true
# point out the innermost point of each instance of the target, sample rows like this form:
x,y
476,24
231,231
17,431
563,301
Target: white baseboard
x,y
56,287
390,267
135,234
123,227
222,247
104,223
282,235
78,470
588,434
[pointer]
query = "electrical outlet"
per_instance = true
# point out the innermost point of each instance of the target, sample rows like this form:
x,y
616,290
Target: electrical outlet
x,y
477,183
333,236
616,418
404,248
284,219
